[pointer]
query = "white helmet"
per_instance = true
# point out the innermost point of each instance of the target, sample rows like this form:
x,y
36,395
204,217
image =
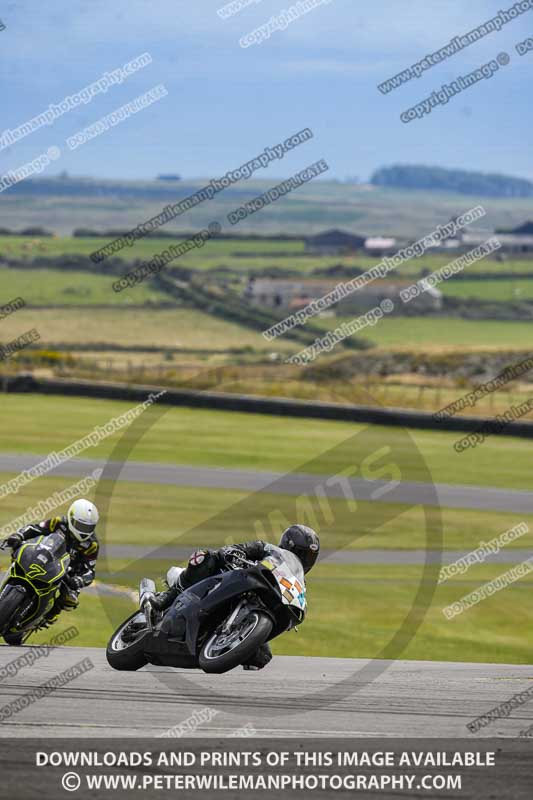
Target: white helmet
x,y
82,518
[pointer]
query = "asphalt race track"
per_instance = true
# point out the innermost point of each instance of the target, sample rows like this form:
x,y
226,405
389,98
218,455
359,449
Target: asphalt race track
x,y
409,492
408,698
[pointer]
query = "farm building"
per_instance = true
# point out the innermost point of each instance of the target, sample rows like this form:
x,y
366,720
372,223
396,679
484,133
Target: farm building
x,y
289,295
334,243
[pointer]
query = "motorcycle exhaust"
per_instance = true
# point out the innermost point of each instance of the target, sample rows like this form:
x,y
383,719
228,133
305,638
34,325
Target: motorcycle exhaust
x,y
146,590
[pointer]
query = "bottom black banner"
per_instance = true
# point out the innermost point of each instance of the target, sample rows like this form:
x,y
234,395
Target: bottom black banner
x,y
252,767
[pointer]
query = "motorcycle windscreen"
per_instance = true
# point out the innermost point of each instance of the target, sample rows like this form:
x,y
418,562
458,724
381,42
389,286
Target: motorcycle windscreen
x,y
288,571
44,558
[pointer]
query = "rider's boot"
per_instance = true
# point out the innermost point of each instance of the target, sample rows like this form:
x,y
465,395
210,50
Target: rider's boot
x,y
67,600
14,639
261,657
163,600
50,617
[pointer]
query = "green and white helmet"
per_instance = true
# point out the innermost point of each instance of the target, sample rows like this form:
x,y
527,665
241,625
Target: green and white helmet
x,y
82,519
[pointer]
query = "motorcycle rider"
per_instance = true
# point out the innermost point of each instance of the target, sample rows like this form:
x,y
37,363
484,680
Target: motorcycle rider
x,y
298,539
78,527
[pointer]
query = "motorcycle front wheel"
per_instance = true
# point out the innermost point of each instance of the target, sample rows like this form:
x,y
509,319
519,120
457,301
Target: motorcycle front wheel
x,y
224,651
13,598
125,649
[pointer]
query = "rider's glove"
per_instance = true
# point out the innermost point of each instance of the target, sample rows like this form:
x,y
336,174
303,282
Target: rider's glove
x,y
229,554
74,582
15,540
87,578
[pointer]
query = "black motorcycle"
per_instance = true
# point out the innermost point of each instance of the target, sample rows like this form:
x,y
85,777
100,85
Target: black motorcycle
x,y
219,622
30,587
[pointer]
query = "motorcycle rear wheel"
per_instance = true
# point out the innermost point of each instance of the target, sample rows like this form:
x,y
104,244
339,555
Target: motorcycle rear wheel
x,y
223,652
123,655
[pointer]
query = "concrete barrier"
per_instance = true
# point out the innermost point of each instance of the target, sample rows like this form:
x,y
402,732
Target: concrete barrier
x,y
259,405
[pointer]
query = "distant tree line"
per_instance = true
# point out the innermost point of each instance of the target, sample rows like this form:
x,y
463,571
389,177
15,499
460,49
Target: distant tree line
x,y
26,232
90,233
66,186
405,176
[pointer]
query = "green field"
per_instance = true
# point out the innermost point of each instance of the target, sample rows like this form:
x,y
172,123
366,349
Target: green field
x,y
45,287
190,329
376,600
259,442
423,333
316,206
249,255
493,291
179,328
365,607
24,247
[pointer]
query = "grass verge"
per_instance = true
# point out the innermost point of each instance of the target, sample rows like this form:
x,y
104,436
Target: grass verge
x,y
355,611
201,437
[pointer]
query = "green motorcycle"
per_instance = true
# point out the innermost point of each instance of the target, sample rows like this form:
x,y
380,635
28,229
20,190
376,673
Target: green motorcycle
x,y
31,585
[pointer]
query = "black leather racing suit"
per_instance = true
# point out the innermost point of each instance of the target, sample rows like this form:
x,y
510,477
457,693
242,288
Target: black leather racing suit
x,y
83,556
204,563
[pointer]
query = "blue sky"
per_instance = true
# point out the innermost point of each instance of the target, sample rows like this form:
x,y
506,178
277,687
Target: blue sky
x,y
226,103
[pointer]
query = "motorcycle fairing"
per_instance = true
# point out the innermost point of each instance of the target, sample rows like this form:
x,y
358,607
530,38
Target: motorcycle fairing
x,y
185,617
